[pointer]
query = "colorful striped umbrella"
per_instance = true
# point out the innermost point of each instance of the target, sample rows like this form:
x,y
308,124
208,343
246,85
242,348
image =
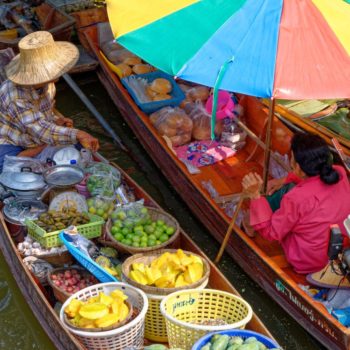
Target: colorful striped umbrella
x,y
291,49
288,49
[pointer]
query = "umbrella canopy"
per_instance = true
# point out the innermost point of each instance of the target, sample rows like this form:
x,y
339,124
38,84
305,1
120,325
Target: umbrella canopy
x,y
290,49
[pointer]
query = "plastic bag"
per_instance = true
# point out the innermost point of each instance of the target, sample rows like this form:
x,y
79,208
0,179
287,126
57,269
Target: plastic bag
x,y
198,93
101,206
202,122
123,56
101,184
101,170
173,123
131,214
15,164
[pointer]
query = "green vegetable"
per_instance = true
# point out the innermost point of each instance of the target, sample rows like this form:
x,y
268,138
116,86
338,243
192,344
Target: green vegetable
x,y
221,343
261,346
206,347
233,347
235,341
250,340
250,346
156,347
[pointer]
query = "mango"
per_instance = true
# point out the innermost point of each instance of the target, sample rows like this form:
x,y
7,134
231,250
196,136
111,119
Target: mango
x,y
86,323
138,277
72,309
107,321
93,300
115,307
139,267
124,312
195,270
105,299
93,311
118,294
180,281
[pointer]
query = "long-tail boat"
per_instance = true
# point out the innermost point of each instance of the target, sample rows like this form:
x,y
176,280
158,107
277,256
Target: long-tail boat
x,y
262,260
35,295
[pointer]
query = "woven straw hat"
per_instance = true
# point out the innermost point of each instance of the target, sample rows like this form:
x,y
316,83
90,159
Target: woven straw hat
x,y
41,59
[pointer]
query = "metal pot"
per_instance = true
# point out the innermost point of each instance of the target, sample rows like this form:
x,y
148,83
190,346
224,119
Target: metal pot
x,y
24,184
17,211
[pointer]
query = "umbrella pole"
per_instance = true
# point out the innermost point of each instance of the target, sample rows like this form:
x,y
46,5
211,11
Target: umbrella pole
x,y
268,143
229,230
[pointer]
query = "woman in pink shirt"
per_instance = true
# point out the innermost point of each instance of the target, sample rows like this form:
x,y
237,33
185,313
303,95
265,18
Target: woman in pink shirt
x,y
320,198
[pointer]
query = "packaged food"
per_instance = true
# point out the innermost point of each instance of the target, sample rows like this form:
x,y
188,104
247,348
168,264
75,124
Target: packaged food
x,y
173,123
132,61
198,93
161,86
141,68
202,122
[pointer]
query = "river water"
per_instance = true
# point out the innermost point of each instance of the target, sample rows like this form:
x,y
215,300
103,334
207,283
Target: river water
x,y
19,328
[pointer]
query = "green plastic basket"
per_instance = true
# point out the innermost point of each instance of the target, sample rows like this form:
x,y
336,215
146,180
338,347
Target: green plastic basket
x,y
51,239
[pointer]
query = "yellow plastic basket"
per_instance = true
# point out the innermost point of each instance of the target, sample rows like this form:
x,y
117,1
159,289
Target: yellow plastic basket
x,y
155,326
183,311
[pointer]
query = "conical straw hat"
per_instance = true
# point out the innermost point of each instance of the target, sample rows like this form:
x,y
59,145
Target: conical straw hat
x,y
41,59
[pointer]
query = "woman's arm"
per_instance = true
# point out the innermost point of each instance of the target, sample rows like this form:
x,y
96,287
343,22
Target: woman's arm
x,y
31,152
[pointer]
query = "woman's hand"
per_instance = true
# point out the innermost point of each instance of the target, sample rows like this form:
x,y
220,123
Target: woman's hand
x,y
88,141
252,184
274,185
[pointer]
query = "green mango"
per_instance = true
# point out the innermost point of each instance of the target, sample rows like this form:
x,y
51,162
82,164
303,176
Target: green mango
x,y
249,346
220,343
233,347
206,347
250,340
236,341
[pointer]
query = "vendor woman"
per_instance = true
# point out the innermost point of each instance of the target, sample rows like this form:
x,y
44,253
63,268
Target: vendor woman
x,y
320,198
28,120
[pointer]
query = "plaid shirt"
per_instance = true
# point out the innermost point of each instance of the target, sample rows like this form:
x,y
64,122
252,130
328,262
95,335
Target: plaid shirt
x,y
27,118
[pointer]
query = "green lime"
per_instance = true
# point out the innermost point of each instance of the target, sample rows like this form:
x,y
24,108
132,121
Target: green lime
x,y
128,223
125,231
136,244
164,237
144,239
130,236
143,244
158,242
158,233
170,230
127,242
152,237
148,222
160,223
132,214
149,229
121,215
119,237
117,223
151,242
90,202
100,212
136,239
144,211
92,210
114,230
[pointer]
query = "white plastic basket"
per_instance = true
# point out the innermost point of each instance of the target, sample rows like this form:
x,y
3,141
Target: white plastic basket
x,y
131,334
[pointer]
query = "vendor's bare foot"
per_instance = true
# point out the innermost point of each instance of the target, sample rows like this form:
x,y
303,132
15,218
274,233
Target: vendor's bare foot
x,y
248,229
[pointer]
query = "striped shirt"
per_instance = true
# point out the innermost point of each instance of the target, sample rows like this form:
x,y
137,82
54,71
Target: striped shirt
x,y
27,118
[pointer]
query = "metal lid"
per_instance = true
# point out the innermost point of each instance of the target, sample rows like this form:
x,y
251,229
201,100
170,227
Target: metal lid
x,y
19,209
63,175
22,181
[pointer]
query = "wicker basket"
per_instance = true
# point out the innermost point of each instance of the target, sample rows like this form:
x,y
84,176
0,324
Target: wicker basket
x,y
184,308
61,295
155,327
56,260
155,214
129,335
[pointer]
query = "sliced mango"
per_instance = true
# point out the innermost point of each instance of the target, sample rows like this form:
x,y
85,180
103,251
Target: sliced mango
x,y
124,312
73,308
118,294
138,277
93,311
196,259
105,299
139,267
86,323
180,281
107,321
93,300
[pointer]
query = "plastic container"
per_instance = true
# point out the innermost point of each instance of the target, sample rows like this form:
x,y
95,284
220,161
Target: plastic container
x,y
129,335
269,343
225,105
51,239
150,107
184,309
101,274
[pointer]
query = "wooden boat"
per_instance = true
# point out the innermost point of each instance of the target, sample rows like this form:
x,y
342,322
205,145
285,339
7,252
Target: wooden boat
x,y
310,125
262,260
35,295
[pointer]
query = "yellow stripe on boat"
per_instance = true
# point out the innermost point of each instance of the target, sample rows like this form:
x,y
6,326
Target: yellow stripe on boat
x,y
337,14
127,16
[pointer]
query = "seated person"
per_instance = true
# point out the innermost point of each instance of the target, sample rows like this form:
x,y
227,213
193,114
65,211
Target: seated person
x,y
28,121
320,198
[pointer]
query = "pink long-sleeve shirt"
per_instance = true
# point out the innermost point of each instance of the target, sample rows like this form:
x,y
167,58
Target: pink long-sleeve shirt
x,y
302,223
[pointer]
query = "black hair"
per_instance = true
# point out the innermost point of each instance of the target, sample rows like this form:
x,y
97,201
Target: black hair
x,y
314,157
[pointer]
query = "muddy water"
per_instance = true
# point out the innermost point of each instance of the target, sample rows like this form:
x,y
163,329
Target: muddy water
x,y
19,329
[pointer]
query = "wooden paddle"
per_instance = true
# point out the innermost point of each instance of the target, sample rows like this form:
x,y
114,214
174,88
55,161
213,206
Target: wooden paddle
x,y
229,230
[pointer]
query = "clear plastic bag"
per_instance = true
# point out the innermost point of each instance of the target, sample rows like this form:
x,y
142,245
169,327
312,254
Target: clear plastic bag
x,y
173,123
101,205
202,122
101,168
15,164
101,183
131,214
